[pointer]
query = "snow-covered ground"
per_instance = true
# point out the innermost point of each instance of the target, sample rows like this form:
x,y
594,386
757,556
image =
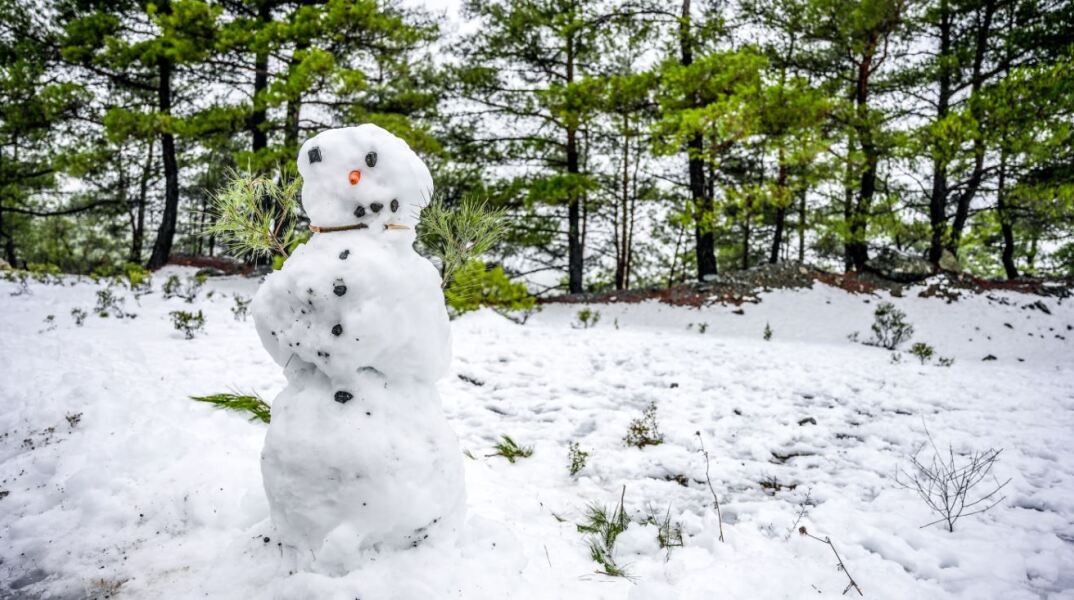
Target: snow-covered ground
x,y
115,484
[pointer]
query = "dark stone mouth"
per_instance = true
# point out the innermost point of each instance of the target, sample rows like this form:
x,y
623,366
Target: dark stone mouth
x,y
376,206
359,211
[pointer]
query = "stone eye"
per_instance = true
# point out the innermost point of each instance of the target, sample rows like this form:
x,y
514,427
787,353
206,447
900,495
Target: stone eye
x,y
371,159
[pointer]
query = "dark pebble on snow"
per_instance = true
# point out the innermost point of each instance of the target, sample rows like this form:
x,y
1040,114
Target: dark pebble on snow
x,y
360,211
376,206
343,255
343,397
337,329
340,290
371,159
394,205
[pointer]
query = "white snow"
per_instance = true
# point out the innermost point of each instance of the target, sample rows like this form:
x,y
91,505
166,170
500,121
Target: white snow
x,y
150,495
359,455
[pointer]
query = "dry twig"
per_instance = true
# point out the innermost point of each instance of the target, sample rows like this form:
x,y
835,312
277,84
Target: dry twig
x,y
715,499
842,567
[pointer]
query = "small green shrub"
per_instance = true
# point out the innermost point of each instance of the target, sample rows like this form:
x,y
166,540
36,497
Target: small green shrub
x,y
79,316
241,308
474,286
578,458
668,534
258,408
767,332
922,351
109,304
138,279
510,450
587,318
188,323
188,290
602,530
945,361
644,431
890,328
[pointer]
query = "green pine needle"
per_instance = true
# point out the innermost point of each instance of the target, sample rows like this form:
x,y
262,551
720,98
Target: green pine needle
x,y
251,404
255,215
458,235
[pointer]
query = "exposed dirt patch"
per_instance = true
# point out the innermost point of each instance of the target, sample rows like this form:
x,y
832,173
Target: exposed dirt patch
x,y
741,287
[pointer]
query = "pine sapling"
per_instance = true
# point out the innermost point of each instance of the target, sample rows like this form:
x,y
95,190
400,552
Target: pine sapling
x,y
603,529
578,458
187,322
644,431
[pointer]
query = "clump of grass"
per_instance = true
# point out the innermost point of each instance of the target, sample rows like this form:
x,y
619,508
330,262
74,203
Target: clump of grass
x,y
645,431
603,529
587,318
79,316
922,351
510,449
945,361
767,332
578,458
187,322
258,408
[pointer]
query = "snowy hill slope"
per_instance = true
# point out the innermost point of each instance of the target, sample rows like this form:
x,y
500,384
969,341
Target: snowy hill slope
x,y
114,484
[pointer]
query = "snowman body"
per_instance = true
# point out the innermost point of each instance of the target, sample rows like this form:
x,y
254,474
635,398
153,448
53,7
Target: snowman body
x,y
359,454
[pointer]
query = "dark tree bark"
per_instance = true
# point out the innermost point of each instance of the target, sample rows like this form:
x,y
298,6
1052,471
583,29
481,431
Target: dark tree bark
x,y
575,251
857,250
962,208
704,238
162,247
781,212
258,134
938,195
1006,221
138,220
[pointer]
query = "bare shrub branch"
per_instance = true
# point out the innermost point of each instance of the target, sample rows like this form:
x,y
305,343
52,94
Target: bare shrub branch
x,y
947,482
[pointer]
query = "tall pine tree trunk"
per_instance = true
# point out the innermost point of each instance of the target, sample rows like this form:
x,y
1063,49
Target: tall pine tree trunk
x,y
162,247
857,249
962,209
781,210
574,213
704,239
258,135
938,196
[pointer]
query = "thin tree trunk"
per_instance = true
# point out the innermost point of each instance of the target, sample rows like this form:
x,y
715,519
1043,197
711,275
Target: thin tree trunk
x,y
1006,220
138,232
781,210
162,247
801,225
574,234
962,209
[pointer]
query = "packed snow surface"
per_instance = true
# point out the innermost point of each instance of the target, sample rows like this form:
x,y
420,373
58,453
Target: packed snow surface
x,y
115,484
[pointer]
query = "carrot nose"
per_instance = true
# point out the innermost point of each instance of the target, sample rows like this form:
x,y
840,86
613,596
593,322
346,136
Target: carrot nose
x,y
355,176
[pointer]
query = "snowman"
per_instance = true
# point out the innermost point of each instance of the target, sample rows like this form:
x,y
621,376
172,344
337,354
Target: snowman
x,y
359,456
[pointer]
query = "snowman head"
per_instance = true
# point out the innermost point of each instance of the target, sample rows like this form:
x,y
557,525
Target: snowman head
x,y
362,175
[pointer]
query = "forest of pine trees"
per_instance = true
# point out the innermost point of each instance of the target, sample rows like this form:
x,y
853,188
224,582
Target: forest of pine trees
x,y
632,143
